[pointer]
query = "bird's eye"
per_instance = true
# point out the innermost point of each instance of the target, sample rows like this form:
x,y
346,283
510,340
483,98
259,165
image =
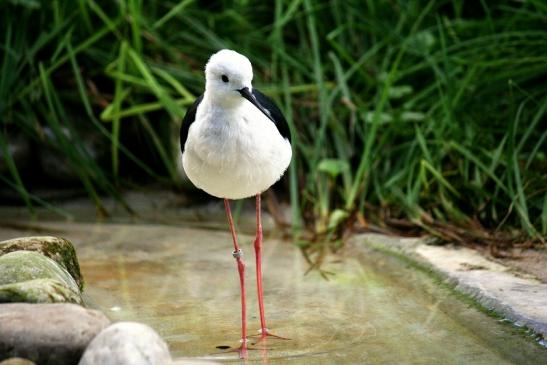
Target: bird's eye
x,y
225,78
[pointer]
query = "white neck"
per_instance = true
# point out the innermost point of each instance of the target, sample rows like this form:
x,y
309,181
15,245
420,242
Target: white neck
x,y
221,100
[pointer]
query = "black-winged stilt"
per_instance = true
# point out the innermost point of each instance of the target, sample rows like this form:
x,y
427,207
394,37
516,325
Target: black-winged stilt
x,y
235,144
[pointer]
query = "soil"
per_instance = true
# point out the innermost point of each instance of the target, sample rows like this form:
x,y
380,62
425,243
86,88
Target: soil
x,y
530,261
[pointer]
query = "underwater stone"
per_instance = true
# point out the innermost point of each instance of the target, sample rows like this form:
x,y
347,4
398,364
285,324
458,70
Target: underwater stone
x,y
127,343
21,266
58,249
48,333
38,291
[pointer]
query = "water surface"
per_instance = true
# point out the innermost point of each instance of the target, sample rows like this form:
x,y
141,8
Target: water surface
x,y
374,309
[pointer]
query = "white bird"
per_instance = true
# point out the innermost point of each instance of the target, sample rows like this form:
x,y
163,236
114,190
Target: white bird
x,y
235,144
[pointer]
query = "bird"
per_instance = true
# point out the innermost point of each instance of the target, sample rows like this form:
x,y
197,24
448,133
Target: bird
x,y
236,144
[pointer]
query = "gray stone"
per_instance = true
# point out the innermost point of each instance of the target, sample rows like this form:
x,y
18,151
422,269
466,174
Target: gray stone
x,y
518,297
48,333
17,361
38,291
127,343
21,266
58,249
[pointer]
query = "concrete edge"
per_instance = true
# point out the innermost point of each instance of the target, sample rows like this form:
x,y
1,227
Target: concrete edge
x,y
519,298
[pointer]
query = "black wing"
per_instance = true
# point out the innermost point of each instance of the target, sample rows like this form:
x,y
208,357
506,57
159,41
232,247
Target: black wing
x,y
276,114
189,118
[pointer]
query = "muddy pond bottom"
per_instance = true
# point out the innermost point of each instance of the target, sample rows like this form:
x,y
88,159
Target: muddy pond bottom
x,y
373,309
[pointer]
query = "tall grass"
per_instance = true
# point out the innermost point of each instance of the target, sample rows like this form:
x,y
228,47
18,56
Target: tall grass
x,y
406,112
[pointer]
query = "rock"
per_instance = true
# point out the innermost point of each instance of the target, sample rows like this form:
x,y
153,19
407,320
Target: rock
x,y
38,291
19,267
48,333
17,361
28,265
127,343
58,249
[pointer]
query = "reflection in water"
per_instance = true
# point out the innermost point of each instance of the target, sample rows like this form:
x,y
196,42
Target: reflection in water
x,y
264,355
183,283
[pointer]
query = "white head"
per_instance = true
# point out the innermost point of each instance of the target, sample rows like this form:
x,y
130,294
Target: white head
x,y
226,73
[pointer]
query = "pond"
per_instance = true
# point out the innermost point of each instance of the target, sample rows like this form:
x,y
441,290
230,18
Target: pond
x,y
373,309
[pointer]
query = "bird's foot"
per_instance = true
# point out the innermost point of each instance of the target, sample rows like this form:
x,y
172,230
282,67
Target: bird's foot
x,y
264,333
242,350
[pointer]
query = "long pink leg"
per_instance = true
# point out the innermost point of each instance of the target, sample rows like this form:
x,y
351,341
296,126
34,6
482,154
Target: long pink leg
x,y
241,269
264,332
258,256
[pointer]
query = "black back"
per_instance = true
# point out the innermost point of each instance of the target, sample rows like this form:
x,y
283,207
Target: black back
x,y
276,114
189,118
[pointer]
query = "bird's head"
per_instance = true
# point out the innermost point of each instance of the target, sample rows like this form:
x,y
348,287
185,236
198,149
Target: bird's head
x,y
228,75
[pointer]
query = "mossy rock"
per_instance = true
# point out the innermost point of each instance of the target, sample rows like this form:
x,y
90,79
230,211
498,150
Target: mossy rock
x,y
56,248
19,266
38,291
17,361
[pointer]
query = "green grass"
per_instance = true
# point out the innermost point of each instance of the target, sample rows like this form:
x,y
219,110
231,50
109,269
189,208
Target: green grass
x,y
429,113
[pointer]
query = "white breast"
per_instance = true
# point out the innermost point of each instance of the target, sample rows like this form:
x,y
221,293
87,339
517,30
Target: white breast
x,y
234,152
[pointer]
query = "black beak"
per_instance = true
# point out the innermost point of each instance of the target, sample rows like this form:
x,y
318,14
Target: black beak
x,y
247,94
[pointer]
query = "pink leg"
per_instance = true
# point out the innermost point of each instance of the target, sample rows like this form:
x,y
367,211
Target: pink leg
x,y
241,269
258,256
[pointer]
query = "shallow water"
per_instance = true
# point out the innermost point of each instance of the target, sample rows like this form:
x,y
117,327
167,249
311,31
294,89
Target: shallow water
x,y
373,310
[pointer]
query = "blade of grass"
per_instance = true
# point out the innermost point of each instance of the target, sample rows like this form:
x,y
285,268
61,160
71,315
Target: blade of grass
x,y
119,96
168,103
171,13
64,142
